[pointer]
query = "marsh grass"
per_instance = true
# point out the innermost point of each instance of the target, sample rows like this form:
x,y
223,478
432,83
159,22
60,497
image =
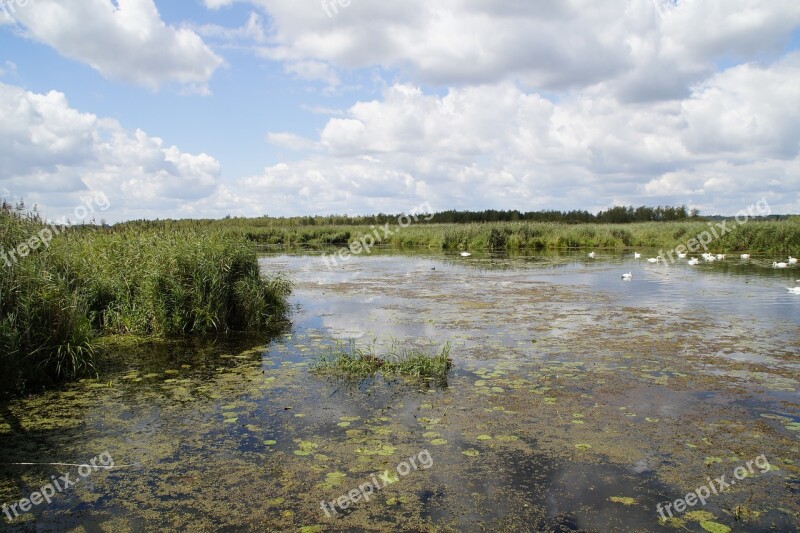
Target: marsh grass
x,y
756,236
91,281
352,361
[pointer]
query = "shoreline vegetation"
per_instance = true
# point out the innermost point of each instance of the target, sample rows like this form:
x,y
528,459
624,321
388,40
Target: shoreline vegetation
x,y
58,300
775,236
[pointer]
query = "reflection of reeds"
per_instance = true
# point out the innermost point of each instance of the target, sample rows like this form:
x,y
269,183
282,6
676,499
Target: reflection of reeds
x,y
358,362
778,238
92,281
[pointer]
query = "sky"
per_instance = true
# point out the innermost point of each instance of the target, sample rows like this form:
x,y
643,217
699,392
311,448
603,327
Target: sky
x,y
209,108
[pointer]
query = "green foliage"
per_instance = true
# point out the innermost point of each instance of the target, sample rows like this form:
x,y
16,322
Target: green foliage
x,y
775,237
355,362
91,281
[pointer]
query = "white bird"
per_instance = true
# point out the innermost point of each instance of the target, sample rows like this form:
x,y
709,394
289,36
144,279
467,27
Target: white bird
x,y
637,255
720,256
796,290
694,261
710,258
779,265
745,256
792,260
628,276
591,255
681,255
653,259
465,254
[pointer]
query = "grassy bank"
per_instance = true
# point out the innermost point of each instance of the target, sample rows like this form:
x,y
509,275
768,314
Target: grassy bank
x,y
56,300
778,238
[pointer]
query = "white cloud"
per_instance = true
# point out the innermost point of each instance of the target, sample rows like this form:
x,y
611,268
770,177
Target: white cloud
x,y
51,154
124,40
735,138
252,30
644,49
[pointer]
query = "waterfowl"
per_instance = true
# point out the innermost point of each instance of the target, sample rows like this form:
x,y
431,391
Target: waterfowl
x,y
681,255
720,256
745,256
465,254
637,255
694,261
628,276
779,265
792,260
653,259
795,290
591,255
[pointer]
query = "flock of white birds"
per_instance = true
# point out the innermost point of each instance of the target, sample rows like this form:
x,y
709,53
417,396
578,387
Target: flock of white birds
x,y
628,276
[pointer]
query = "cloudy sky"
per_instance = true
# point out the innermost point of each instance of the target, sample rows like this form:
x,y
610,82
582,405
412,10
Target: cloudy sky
x,y
203,108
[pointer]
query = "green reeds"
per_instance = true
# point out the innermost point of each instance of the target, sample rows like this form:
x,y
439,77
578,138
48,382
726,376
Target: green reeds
x,y
352,361
771,237
90,281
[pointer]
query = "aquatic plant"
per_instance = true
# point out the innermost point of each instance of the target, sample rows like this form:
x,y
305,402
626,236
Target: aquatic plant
x,y
776,237
358,362
90,281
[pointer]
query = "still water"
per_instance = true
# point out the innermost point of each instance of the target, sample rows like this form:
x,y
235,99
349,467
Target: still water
x,y
578,401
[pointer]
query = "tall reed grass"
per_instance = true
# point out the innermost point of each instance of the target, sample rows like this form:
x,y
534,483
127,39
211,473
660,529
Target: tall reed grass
x,y
778,238
91,281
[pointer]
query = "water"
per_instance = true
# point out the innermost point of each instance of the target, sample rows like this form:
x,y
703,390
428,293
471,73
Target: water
x,y
578,401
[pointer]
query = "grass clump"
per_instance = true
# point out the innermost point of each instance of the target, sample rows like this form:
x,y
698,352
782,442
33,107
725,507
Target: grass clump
x,y
352,361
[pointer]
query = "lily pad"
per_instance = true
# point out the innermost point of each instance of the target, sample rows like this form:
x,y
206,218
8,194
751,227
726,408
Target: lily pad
x,y
714,527
624,500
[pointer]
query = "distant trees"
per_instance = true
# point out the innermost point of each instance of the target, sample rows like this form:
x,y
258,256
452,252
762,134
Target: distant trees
x,y
623,215
614,215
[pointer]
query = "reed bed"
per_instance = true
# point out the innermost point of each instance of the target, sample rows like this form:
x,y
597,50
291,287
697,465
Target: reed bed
x,y
771,237
89,282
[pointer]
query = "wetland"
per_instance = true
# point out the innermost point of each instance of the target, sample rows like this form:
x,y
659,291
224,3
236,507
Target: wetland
x,y
576,401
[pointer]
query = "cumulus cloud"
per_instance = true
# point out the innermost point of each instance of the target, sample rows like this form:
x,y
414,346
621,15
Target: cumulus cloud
x,y
644,50
124,40
52,154
735,136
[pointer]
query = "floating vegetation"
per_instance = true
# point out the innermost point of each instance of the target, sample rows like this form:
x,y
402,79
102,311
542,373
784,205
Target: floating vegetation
x,y
355,362
624,500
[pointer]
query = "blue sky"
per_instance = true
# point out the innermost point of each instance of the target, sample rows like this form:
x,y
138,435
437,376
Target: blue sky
x,y
208,108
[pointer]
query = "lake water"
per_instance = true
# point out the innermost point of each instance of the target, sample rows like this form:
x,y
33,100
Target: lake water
x,y
578,401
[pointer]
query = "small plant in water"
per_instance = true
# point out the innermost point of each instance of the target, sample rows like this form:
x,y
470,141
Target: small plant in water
x,y
357,362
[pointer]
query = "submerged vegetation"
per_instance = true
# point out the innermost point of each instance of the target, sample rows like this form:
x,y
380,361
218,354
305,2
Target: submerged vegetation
x,y
355,362
89,281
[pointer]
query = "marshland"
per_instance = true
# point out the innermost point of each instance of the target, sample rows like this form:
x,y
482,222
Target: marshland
x,y
240,381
